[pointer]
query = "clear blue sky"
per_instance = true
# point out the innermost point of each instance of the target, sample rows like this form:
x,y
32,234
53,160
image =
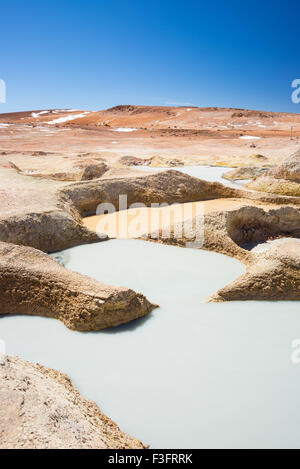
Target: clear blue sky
x,y
96,54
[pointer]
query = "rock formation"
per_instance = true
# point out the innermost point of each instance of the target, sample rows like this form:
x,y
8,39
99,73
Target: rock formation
x,y
93,170
289,169
167,186
71,170
47,215
41,409
229,233
31,282
248,172
275,186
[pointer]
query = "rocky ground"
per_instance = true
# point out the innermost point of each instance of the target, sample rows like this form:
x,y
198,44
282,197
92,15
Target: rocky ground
x,y
41,409
57,166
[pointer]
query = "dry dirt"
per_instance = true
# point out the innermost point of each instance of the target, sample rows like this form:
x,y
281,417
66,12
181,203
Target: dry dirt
x,y
165,134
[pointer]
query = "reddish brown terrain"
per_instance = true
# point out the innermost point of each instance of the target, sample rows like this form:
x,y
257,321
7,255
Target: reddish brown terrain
x,y
167,135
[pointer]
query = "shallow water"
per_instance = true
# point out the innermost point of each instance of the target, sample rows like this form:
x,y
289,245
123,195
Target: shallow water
x,y
208,173
189,375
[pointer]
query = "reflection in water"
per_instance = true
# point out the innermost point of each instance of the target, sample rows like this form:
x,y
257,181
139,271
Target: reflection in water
x,y
191,374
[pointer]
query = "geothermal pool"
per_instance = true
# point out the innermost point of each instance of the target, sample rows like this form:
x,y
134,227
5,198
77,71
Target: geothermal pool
x,y
191,374
208,173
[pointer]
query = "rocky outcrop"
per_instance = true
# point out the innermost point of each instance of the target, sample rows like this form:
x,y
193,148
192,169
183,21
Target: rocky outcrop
x,y
169,186
41,409
134,161
47,215
273,275
48,231
209,233
289,169
248,172
230,232
93,171
283,179
249,225
31,282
